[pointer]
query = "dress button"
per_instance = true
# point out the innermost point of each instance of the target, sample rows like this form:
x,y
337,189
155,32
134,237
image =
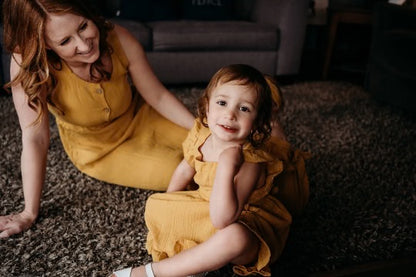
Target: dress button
x,y
99,90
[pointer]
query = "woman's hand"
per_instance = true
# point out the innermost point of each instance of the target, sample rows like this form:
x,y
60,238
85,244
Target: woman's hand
x,y
15,223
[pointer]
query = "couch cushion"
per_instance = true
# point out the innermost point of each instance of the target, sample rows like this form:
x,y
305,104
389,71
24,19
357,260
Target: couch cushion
x,y
140,31
145,10
198,66
207,9
212,35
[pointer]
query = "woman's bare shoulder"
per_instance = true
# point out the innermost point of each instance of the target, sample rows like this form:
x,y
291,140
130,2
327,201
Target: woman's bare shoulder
x,y
130,44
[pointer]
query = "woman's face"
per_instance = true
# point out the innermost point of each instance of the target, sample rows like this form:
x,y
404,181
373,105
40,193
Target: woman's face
x,y
75,39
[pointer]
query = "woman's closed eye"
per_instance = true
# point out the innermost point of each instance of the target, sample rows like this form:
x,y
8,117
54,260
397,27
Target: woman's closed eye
x,y
83,26
64,41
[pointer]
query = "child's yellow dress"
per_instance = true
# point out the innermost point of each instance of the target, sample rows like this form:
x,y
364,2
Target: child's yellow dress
x,y
180,220
109,133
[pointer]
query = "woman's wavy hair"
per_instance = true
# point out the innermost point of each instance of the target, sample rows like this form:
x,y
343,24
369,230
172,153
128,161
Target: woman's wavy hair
x,y
24,27
243,75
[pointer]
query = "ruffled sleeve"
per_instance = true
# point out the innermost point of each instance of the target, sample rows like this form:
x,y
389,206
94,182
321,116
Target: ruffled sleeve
x,y
193,141
274,167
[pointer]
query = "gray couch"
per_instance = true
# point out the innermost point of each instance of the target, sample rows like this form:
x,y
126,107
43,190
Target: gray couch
x,y
267,34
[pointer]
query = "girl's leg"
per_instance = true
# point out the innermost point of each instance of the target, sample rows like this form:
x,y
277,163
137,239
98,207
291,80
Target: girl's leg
x,y
233,244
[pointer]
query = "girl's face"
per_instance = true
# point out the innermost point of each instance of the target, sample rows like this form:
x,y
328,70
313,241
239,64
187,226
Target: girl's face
x,y
73,38
231,112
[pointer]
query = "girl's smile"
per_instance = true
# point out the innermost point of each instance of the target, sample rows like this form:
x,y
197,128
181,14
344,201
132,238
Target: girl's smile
x,y
229,129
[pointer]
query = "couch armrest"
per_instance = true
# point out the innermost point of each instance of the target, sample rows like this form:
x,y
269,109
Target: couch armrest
x,y
290,17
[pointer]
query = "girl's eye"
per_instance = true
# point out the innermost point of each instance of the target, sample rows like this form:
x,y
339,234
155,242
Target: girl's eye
x,y
244,109
221,102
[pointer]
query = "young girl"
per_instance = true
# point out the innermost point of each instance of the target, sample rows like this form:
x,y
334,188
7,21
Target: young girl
x,y
235,216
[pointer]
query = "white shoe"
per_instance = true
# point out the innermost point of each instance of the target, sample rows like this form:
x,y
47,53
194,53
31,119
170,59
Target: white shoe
x,y
149,270
127,271
123,272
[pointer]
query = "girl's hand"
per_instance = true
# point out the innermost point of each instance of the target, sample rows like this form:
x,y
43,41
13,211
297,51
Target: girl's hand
x,y
15,223
234,181
232,156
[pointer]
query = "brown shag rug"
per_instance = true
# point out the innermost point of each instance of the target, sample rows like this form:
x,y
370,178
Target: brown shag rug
x,y
362,206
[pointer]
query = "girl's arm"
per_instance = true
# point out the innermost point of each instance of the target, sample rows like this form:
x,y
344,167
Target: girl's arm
x,y
35,142
233,184
182,176
145,81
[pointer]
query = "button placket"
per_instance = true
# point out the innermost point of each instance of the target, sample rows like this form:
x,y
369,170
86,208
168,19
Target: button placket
x,y
106,109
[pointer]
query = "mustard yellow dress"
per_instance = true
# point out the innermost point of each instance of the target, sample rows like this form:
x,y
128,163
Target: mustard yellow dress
x,y
180,220
110,134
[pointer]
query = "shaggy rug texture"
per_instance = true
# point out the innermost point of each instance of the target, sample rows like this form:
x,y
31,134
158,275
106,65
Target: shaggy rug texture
x,y
362,206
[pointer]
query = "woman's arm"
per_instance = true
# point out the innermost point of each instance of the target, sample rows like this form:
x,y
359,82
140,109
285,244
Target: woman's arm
x,y
233,184
35,142
148,85
182,177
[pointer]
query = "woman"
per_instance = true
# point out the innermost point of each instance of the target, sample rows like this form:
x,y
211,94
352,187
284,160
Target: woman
x,y
80,67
